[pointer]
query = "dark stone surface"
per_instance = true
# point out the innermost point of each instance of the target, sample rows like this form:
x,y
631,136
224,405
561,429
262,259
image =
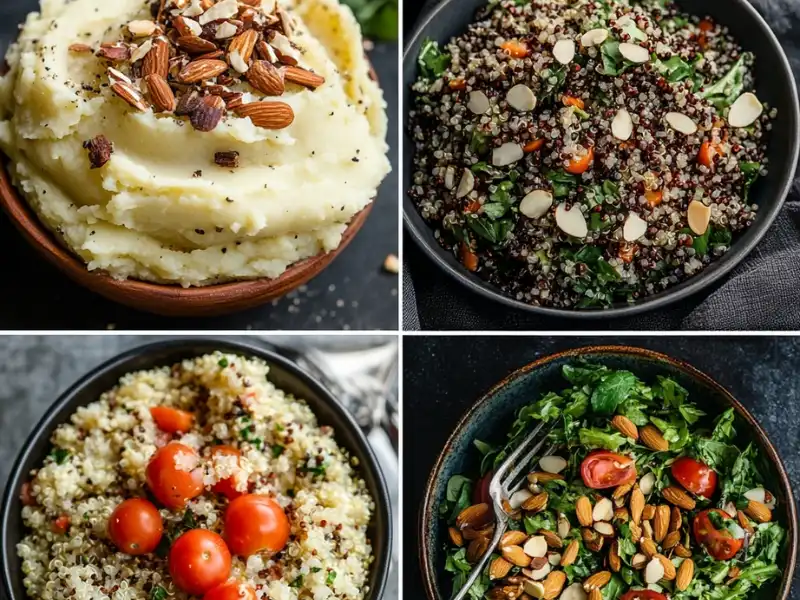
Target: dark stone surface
x,y
443,376
353,293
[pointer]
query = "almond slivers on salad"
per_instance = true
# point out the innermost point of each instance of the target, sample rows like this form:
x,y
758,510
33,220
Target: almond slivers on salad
x,y
643,496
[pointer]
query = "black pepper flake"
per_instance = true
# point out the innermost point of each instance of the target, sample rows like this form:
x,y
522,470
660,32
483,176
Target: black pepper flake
x,y
197,174
199,232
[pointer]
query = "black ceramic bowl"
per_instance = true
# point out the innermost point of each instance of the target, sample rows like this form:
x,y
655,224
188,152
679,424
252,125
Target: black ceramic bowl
x,y
491,416
283,373
774,84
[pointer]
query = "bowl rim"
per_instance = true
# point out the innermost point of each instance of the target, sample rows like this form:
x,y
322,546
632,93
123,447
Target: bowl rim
x,y
428,509
423,237
190,346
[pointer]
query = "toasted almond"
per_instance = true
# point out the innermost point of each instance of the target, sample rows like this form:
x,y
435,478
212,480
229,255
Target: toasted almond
x,y
588,534
621,514
647,529
597,544
476,516
455,536
636,504
266,78
603,510
597,580
476,549
269,115
595,594
116,52
648,547
654,571
671,540
647,483
604,528
543,477
682,551
244,44
513,538
553,584
622,490
80,48
303,77
684,575
552,539
675,519
625,426
648,512
698,216
157,60
661,522
669,568
614,560
160,93
675,495
536,546
194,44
142,28
636,531
472,534
570,554
536,503
758,511
744,522
130,94
652,438
638,561
186,26
202,70
499,568
208,113
583,510
515,555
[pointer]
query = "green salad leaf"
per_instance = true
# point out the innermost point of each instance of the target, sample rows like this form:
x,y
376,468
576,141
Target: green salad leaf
x,y
432,61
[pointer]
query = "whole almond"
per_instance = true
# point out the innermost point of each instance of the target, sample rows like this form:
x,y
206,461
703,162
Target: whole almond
x,y
476,516
647,529
536,503
671,540
758,511
156,61
130,94
303,77
455,536
685,574
515,555
499,568
652,438
669,568
614,560
269,115
160,93
195,45
476,549
570,554
513,538
636,504
583,510
661,522
675,519
202,70
625,426
675,495
471,534
553,584
244,44
744,521
648,547
682,551
208,113
622,490
552,539
648,512
597,580
266,78
543,477
595,594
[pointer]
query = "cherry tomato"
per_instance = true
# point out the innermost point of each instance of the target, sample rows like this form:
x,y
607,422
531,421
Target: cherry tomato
x,y
231,590
172,420
226,487
480,495
174,476
642,595
136,526
603,469
199,561
254,523
580,164
695,476
533,146
721,545
60,524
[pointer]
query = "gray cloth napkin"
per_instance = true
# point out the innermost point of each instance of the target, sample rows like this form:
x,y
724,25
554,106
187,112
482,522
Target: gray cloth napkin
x,y
762,293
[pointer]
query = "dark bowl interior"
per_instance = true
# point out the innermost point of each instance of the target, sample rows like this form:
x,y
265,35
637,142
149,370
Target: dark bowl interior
x,y
774,84
283,373
491,418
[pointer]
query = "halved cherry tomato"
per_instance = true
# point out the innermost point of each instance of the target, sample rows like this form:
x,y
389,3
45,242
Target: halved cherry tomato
x,y
695,476
226,487
533,146
254,523
174,475
468,258
60,524
480,494
654,197
603,469
231,590
642,595
515,48
136,527
580,164
172,420
473,207
721,545
199,561
708,152
572,101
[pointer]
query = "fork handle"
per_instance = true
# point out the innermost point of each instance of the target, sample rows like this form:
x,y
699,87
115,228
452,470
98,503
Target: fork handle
x,y
499,530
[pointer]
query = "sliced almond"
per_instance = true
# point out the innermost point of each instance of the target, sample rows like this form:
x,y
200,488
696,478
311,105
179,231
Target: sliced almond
x,y
552,464
563,526
603,510
635,227
564,51
745,110
222,10
142,28
478,102
622,125
638,561
142,51
521,98
225,30
536,204
572,222
536,546
681,123
130,94
466,185
647,482
533,588
763,496
554,558
594,37
698,216
574,592
604,528
654,571
507,154
634,53
540,573
238,63
519,497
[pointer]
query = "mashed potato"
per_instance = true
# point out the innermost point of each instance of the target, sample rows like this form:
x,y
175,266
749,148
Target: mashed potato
x,y
161,209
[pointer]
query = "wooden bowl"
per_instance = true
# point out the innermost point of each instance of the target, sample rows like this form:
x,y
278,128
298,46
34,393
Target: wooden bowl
x,y
162,299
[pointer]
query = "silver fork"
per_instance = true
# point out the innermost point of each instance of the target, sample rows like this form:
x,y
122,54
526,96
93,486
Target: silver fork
x,y
505,482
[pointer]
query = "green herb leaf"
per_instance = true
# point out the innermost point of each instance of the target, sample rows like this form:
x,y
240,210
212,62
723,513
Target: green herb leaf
x,y
158,593
330,578
277,450
432,61
223,362
60,455
725,91
599,438
613,389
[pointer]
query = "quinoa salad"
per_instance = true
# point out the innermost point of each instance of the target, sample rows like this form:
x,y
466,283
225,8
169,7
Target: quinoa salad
x,y
197,480
587,154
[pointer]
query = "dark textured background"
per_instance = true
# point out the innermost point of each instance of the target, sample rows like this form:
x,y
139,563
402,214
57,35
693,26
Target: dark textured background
x,y
353,293
760,294
444,376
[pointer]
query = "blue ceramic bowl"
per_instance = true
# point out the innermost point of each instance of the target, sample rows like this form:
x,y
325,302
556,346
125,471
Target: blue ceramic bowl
x,y
491,416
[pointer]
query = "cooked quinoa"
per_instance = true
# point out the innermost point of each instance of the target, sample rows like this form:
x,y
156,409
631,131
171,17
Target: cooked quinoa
x,y
99,459
584,154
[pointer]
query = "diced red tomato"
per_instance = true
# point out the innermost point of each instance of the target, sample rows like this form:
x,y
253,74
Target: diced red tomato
x,y
603,469
721,544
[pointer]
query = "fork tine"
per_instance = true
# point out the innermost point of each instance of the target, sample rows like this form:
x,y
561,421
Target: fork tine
x,y
511,459
522,465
